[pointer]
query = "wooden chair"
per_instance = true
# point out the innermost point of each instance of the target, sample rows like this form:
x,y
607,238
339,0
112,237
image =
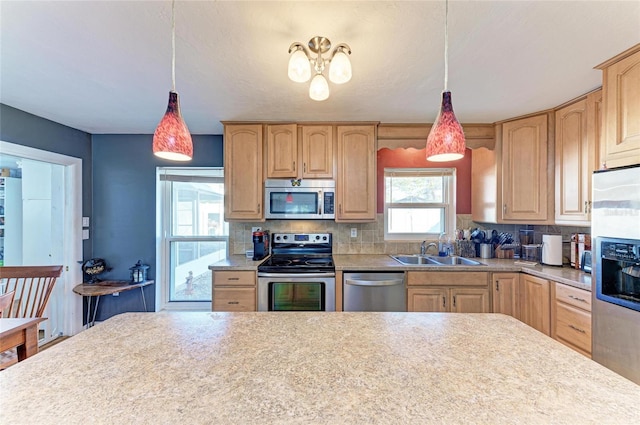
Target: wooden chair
x,y
32,286
27,290
5,301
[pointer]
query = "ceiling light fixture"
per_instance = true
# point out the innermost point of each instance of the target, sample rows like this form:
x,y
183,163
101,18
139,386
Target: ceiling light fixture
x,y
172,139
300,64
446,138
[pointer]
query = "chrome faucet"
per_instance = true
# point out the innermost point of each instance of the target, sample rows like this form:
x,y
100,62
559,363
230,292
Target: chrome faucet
x,y
424,247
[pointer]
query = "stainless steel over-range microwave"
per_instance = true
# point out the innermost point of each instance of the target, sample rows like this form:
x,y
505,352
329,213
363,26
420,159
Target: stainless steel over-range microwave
x,y
300,199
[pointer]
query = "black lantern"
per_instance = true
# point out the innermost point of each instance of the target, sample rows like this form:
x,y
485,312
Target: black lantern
x,y
139,272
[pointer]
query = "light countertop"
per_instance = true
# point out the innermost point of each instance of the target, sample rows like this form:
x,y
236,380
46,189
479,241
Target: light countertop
x,y
313,368
383,262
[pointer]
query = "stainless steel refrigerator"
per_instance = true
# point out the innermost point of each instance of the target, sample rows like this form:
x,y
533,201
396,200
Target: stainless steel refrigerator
x,y
615,231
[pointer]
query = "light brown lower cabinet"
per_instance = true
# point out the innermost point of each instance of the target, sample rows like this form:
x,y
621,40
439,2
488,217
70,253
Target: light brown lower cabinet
x,y
505,289
234,291
456,292
535,306
571,317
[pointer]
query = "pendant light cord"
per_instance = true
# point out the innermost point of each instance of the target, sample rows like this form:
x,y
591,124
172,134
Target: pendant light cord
x,y
173,45
446,44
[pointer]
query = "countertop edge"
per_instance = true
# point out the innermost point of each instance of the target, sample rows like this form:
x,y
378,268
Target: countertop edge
x,y
383,262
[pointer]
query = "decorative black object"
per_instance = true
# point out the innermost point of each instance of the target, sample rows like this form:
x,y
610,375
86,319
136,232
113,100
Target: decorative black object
x,y
94,267
139,272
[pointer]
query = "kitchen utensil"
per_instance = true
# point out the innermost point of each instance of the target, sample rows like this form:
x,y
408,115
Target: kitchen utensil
x,y
486,250
531,252
526,238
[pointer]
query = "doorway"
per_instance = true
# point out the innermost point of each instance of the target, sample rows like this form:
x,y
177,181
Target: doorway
x,y
50,193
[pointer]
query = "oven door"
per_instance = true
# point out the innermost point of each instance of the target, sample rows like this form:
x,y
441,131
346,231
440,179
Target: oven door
x,y
296,292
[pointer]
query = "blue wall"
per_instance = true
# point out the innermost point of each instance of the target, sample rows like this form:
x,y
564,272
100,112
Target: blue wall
x,y
25,129
124,207
118,192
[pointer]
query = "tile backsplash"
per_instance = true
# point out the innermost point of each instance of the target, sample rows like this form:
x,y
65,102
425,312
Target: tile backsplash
x,y
370,236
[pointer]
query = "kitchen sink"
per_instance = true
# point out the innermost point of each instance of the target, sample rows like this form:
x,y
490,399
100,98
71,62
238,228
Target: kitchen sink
x,y
415,260
457,261
428,260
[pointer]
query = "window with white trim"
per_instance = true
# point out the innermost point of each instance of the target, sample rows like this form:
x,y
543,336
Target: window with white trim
x,y
419,203
193,234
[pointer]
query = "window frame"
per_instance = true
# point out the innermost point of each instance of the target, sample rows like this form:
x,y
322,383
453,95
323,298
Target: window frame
x,y
166,238
448,205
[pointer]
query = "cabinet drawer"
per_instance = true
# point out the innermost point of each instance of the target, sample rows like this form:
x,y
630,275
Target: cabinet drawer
x,y
573,296
234,278
448,278
573,326
234,299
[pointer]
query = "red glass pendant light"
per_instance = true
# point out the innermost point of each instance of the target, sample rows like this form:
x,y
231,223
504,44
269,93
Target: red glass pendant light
x,y
446,138
172,139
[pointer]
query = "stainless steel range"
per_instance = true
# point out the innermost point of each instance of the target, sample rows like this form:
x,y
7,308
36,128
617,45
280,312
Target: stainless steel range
x,y
299,275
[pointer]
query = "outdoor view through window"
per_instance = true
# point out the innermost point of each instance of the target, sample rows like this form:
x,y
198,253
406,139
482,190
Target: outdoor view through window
x,y
418,202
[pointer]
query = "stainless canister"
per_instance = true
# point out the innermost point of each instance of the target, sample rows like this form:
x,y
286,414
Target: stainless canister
x,y
486,250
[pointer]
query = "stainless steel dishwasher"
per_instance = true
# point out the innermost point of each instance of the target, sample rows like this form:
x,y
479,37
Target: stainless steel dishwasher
x,y
374,292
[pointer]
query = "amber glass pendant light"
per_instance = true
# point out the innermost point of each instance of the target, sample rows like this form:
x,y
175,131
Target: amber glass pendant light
x,y
172,139
446,138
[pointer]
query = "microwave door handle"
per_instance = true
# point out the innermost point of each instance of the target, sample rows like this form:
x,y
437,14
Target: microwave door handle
x,y
320,202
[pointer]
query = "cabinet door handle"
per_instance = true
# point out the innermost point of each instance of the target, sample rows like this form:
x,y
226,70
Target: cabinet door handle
x,y
294,166
340,208
504,209
578,329
454,300
590,206
586,207
582,300
259,209
304,166
233,302
234,278
443,302
497,285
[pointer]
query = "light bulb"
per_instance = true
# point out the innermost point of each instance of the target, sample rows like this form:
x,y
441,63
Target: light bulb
x,y
319,88
340,68
299,67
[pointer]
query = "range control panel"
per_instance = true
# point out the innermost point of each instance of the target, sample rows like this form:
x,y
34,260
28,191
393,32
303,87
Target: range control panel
x,y
301,238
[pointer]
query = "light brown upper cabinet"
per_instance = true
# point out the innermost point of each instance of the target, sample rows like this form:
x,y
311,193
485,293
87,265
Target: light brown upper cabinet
x,y
576,142
621,109
282,151
356,173
317,151
525,178
243,172
513,182
296,152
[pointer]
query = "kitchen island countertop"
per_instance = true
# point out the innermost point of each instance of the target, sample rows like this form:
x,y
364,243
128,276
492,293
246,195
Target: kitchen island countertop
x,y
313,368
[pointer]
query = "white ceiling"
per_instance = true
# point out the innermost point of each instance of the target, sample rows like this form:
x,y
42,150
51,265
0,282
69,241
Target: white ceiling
x,y
105,66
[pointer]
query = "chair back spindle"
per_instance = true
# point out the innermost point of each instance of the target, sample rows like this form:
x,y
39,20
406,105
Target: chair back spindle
x,y
32,286
5,301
